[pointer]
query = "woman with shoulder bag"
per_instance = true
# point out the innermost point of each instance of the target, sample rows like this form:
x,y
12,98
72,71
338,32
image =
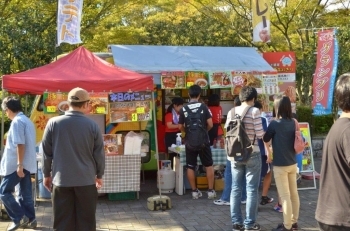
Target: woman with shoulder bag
x,y
282,132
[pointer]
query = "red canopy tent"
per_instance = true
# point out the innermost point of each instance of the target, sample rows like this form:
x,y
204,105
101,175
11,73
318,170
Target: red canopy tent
x,y
80,68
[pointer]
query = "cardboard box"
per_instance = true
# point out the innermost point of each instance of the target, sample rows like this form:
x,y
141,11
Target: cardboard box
x,y
219,184
202,182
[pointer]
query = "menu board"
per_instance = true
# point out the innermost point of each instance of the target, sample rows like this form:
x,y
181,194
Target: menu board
x,y
55,102
173,80
220,79
130,106
270,84
199,78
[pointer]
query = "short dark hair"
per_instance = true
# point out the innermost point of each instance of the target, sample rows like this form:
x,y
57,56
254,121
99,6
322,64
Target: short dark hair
x,y
77,104
236,102
214,100
248,93
194,91
284,107
342,92
258,105
175,101
12,103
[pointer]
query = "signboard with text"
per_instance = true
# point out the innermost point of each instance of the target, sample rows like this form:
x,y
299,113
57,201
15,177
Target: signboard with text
x,y
130,106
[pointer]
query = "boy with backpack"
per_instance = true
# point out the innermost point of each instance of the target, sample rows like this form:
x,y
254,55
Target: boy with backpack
x,y
246,162
196,119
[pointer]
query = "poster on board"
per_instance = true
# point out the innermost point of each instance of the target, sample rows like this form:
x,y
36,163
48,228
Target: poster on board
x,y
130,106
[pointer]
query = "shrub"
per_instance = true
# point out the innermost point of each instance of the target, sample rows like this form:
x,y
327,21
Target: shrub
x,y
319,125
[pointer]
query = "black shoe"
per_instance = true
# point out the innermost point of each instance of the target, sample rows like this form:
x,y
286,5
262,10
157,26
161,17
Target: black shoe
x,y
280,227
237,227
266,200
295,226
256,227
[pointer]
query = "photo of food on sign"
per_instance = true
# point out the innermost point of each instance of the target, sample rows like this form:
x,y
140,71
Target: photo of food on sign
x,y
98,102
113,144
130,111
173,80
55,102
220,79
240,79
199,78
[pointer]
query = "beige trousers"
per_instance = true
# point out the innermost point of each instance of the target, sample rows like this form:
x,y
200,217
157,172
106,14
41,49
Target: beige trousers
x,y
286,182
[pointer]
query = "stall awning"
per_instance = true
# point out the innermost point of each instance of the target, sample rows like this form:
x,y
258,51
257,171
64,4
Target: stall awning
x,y
155,59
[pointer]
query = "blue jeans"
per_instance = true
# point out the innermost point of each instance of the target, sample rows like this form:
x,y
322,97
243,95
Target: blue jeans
x,y
25,205
226,193
250,171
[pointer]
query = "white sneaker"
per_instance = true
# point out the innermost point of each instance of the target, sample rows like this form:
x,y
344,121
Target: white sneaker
x,y
243,202
196,194
221,202
211,194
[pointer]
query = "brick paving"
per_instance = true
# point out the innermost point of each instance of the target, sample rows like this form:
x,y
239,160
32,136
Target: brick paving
x,y
186,214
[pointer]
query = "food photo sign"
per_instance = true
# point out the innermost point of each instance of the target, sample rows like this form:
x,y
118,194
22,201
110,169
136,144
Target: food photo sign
x,y
130,106
220,79
56,102
199,78
173,80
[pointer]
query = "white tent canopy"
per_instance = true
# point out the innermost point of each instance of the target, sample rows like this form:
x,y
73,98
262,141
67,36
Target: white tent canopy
x,y
155,59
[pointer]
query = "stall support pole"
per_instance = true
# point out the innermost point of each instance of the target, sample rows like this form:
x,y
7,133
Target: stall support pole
x,y
2,123
142,169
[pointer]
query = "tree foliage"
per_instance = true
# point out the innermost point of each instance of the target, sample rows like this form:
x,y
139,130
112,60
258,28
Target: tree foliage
x,y
28,29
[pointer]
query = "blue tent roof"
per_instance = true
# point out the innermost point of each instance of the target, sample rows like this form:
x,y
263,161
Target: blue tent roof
x,y
155,59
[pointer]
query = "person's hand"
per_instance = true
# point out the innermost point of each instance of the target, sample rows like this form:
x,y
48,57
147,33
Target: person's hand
x,y
20,172
48,183
99,183
269,159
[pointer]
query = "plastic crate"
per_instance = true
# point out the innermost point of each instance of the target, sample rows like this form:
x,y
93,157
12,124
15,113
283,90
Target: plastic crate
x,y
122,196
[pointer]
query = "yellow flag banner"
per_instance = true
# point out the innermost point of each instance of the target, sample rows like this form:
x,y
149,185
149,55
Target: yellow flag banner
x,y
261,21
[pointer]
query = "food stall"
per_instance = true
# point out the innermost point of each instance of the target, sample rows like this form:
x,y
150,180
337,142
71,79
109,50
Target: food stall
x,y
121,101
219,70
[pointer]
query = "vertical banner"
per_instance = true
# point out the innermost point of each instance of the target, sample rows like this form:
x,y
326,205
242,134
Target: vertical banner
x,y
261,21
325,73
68,21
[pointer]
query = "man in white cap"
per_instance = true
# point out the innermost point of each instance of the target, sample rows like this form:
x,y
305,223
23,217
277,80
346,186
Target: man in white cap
x,y
73,165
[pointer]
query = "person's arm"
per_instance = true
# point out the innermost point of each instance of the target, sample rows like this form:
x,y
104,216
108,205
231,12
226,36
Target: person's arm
x,y
169,121
208,116
19,141
181,120
46,159
20,157
209,124
99,154
258,128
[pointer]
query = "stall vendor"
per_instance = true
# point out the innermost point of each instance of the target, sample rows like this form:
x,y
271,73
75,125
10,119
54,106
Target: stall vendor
x,y
171,124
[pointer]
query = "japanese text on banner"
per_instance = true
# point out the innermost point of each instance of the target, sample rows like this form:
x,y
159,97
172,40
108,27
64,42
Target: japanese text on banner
x,y
325,73
69,14
261,21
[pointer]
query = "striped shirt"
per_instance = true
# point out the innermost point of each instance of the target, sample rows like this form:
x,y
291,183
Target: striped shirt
x,y
252,123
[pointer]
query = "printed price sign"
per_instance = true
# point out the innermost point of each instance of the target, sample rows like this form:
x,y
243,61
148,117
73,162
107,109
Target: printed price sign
x,y
134,117
188,84
101,110
51,109
140,110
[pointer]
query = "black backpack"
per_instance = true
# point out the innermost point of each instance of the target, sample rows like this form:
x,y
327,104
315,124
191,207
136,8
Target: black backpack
x,y
196,133
237,142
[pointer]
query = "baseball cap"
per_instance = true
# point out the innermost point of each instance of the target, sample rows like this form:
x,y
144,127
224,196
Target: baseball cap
x,y
78,95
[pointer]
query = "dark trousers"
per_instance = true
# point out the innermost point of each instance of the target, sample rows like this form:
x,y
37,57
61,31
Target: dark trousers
x,y
74,208
324,227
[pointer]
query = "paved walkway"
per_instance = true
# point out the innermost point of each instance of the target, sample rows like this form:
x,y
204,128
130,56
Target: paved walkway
x,y
186,214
